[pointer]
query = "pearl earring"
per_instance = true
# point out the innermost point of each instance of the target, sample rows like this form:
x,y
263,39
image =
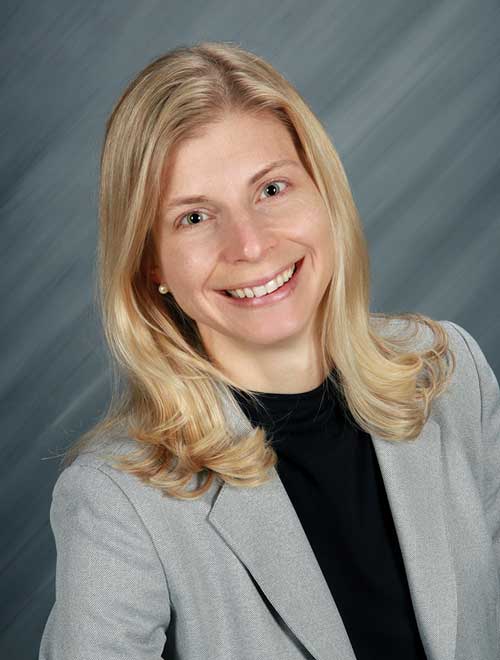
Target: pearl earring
x,y
162,288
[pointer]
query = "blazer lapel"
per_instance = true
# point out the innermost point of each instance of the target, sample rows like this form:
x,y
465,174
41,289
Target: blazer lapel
x,y
261,527
413,479
263,530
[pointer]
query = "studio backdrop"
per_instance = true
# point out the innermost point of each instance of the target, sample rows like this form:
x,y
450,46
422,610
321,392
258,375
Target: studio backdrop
x,y
409,93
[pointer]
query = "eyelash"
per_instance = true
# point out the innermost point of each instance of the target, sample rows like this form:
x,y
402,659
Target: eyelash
x,y
279,193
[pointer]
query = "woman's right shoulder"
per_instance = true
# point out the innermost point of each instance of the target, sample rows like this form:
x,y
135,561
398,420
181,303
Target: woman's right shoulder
x,y
101,451
112,591
94,470
93,466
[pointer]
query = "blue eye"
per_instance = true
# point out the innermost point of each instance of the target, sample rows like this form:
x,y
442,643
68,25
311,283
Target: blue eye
x,y
199,213
271,184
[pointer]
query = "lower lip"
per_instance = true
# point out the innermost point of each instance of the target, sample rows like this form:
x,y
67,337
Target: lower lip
x,y
270,298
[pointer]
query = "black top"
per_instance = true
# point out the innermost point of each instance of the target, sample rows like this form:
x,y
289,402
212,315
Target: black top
x,y
330,471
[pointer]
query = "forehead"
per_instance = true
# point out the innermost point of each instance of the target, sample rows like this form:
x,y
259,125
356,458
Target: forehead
x,y
233,147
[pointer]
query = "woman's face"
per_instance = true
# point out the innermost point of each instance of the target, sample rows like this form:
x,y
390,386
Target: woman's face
x,y
248,227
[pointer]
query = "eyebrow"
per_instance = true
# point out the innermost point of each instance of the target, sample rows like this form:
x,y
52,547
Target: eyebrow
x,y
197,199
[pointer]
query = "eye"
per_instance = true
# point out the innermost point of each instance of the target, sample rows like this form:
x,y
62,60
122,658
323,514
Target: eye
x,y
272,185
189,215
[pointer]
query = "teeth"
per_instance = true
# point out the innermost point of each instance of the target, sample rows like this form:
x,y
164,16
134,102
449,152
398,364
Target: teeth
x,y
264,289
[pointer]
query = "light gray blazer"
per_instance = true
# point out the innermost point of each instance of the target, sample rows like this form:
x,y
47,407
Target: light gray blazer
x,y
232,575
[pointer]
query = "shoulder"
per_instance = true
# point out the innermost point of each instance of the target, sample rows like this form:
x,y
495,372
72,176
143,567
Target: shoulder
x,y
112,589
421,336
473,379
463,397
468,411
88,486
93,476
92,471
476,384
463,390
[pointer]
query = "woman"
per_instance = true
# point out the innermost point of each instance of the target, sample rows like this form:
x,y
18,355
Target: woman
x,y
281,473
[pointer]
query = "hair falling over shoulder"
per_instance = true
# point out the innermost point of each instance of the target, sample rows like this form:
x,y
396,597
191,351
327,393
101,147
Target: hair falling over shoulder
x,y
166,391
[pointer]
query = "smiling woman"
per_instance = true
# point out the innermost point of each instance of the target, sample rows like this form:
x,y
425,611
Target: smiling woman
x,y
281,473
260,217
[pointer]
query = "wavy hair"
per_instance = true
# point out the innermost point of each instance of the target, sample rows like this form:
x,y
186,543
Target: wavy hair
x,y
166,391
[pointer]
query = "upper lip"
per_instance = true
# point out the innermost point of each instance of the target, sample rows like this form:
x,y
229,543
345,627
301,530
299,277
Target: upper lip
x,y
262,280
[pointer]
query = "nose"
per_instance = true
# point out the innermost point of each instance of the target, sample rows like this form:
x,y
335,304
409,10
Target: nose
x,y
248,236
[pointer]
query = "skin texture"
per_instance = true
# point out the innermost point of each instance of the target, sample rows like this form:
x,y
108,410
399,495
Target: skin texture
x,y
242,234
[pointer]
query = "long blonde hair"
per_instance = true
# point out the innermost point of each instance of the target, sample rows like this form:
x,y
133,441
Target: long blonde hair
x,y
166,392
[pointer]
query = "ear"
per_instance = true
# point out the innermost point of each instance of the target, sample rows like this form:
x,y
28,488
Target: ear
x,y
155,275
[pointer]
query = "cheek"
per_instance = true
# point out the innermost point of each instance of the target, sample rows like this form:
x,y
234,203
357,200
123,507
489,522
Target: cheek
x,y
322,226
187,272
313,227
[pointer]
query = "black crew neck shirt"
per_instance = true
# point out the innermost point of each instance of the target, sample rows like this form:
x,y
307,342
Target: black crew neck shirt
x,y
330,471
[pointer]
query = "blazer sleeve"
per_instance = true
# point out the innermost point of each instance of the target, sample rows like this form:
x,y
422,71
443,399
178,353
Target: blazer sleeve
x,y
112,600
490,433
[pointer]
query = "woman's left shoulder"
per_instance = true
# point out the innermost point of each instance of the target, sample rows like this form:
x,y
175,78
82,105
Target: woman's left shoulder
x,y
474,378
469,410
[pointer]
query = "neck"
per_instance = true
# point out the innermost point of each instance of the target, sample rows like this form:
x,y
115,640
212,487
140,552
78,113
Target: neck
x,y
286,370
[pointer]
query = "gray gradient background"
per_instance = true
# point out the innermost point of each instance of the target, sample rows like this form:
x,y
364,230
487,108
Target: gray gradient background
x,y
409,92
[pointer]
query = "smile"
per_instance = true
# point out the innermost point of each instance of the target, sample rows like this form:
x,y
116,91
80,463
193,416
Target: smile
x,y
278,288
264,289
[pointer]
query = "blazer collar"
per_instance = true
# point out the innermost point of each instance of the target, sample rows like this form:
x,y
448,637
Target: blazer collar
x,y
261,527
